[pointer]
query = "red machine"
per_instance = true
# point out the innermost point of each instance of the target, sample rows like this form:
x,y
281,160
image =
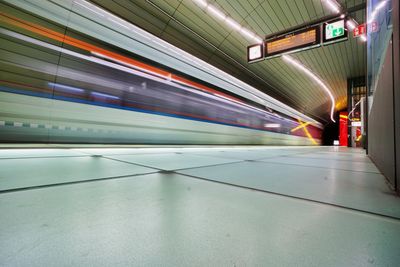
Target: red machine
x,y
343,135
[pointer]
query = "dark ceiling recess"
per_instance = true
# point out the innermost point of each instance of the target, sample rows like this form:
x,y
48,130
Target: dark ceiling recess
x,y
185,25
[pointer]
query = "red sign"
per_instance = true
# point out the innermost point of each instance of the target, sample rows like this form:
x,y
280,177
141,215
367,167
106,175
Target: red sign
x,y
359,30
343,128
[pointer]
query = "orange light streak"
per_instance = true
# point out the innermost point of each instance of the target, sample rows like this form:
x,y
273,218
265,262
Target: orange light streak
x,y
94,49
304,127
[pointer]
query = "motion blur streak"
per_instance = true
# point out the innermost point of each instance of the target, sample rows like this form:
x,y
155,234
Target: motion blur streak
x,y
72,87
78,76
304,127
312,75
94,49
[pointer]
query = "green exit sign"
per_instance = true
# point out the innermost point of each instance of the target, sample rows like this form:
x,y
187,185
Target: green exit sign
x,y
334,31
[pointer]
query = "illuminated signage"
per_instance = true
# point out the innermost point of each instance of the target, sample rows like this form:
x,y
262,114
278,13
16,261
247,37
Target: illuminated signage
x,y
334,31
359,30
295,41
255,53
299,39
374,26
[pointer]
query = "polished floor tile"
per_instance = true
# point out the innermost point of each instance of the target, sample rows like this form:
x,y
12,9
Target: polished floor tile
x,y
306,210
30,172
358,190
248,154
326,163
171,220
356,157
172,161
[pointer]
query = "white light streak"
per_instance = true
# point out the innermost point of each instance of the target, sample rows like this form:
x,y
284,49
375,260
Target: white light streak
x,y
355,106
213,10
66,87
104,95
315,78
247,33
333,5
376,10
351,24
363,38
258,39
236,26
141,34
119,23
201,3
272,125
88,8
128,65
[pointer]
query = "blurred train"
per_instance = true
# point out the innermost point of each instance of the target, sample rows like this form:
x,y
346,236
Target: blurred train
x,y
59,84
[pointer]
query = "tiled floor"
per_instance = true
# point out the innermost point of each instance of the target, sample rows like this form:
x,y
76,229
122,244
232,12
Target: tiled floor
x,y
195,206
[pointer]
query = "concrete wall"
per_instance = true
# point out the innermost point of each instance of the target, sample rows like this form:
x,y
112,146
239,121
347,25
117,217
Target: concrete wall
x,y
381,133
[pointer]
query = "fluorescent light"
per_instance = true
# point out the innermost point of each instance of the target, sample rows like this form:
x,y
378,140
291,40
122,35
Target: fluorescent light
x,y
259,40
229,21
201,3
301,67
351,24
213,10
233,24
247,33
333,5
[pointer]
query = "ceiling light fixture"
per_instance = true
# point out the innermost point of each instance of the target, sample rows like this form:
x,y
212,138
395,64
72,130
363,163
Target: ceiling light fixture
x,y
247,33
217,13
201,3
236,26
351,24
228,20
303,68
333,5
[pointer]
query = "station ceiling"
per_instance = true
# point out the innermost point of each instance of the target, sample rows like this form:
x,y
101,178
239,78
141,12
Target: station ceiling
x,y
187,26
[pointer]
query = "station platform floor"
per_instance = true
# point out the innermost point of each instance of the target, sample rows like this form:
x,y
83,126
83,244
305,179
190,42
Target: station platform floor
x,y
195,206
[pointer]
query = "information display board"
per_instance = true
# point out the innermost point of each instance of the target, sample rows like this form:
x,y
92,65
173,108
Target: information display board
x,y
255,53
295,41
334,31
